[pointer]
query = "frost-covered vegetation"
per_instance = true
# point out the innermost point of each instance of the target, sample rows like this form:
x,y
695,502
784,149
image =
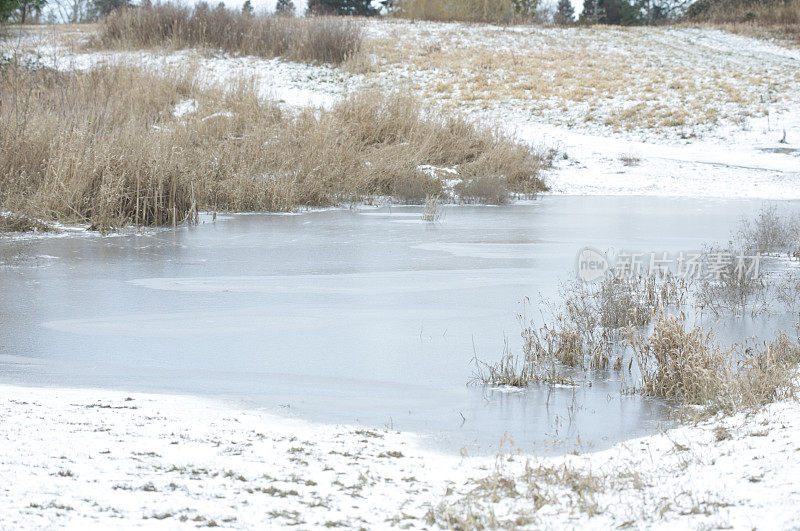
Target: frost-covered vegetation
x,y
647,319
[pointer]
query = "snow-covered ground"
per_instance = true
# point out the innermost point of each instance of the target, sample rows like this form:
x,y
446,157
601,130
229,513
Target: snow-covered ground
x,y
727,124
103,459
641,111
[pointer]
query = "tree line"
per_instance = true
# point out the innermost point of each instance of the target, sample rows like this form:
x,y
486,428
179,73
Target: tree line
x,y
24,11
615,12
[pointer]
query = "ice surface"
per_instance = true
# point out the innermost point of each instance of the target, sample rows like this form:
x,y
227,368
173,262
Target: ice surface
x,y
339,316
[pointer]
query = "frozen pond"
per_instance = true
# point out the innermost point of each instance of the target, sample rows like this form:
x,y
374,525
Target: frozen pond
x,y
367,316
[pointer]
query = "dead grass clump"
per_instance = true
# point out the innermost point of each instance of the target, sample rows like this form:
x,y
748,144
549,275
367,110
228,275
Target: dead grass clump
x,y
629,159
487,190
721,433
10,222
312,39
586,330
431,211
788,291
81,147
766,375
511,370
538,485
687,367
106,147
537,364
680,364
621,299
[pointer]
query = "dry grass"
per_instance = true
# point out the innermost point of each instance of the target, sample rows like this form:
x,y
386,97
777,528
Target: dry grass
x,y
733,289
486,190
621,299
759,18
491,11
431,211
738,287
788,291
10,222
314,39
766,374
616,78
686,366
680,364
585,331
104,147
536,486
511,370
629,159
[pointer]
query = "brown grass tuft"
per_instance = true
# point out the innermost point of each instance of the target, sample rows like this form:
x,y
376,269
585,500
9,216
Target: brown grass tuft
x,y
680,364
10,222
684,365
768,374
313,39
487,190
431,211
104,147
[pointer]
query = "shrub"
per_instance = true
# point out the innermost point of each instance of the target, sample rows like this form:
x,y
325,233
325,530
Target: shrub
x,y
733,287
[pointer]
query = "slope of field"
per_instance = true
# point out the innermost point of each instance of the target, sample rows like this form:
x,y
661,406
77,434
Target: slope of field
x,y
99,459
641,111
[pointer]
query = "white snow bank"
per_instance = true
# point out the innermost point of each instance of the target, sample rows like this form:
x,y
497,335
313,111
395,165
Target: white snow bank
x,y
104,459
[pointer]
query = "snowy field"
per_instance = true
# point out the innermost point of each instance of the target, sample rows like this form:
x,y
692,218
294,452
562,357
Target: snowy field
x,y
102,459
642,111
654,111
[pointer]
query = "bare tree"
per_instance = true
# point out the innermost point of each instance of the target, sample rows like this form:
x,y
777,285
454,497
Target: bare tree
x,y
70,10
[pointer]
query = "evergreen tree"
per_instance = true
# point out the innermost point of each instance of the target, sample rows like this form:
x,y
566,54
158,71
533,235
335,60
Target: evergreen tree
x,y
285,8
341,7
101,8
615,12
7,7
247,8
565,13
